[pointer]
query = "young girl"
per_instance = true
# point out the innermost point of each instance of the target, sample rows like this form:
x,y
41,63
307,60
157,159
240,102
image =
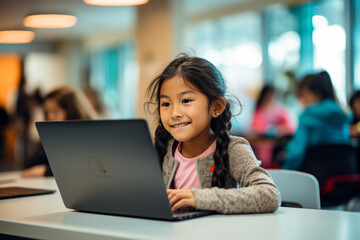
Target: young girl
x,y
61,104
203,164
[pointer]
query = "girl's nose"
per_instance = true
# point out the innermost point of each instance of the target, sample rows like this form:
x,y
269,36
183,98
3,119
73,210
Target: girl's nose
x,y
176,113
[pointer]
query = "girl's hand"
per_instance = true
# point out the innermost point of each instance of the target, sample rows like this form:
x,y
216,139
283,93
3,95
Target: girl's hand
x,y
181,198
35,171
354,130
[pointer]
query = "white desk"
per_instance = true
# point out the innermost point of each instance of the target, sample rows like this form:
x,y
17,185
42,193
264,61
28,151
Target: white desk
x,y
46,217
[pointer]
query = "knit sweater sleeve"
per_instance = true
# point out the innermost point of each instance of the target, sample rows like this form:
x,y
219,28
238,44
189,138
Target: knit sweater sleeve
x,y
257,192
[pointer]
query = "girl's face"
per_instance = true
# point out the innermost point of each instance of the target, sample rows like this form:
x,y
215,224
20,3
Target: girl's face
x,y
269,99
185,111
53,112
308,98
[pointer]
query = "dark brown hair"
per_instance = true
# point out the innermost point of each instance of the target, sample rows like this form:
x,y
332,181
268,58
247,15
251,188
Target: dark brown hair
x,y
74,105
319,83
265,91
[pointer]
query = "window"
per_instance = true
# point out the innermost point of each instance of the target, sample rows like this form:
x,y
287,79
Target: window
x,y
283,45
113,72
329,42
306,39
278,45
233,44
356,40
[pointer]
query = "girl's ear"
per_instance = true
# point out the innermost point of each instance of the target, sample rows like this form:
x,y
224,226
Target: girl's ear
x,y
217,107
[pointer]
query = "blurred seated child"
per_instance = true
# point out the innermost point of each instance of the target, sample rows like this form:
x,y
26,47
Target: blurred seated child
x,y
4,121
63,103
354,120
321,122
270,118
355,116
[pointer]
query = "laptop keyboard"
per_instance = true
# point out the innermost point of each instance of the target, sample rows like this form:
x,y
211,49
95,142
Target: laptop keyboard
x,y
184,210
189,212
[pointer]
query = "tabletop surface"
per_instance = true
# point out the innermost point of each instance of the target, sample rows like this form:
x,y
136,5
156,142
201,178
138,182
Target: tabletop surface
x,y
45,216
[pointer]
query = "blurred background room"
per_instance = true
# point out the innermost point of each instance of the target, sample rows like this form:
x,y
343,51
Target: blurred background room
x,y
109,55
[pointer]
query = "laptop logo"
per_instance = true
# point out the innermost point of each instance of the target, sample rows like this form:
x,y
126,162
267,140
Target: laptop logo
x,y
99,167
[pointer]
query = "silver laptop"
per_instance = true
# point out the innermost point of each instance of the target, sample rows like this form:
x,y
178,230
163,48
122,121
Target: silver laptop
x,y
108,166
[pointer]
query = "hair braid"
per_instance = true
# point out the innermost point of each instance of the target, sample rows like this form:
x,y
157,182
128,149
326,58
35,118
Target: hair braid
x,y
221,127
162,138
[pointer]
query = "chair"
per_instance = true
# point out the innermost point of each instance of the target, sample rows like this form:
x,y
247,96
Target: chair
x,y
335,167
297,187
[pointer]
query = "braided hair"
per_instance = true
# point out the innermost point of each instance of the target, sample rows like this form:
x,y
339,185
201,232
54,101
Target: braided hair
x,y
203,75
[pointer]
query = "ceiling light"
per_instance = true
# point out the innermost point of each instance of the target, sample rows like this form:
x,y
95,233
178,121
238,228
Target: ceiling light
x,y
49,21
116,2
16,36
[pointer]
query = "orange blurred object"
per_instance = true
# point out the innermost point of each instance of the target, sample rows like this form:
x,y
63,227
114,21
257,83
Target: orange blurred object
x,y
116,2
50,21
16,36
10,68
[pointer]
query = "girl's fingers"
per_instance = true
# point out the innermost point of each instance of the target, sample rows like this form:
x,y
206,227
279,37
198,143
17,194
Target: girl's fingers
x,y
179,193
181,197
181,203
176,196
173,199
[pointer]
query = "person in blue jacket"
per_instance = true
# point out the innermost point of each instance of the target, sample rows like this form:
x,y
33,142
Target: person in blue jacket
x,y
321,122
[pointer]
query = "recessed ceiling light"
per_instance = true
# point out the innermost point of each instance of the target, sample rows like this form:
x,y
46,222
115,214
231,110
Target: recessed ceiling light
x,y
16,36
50,21
116,2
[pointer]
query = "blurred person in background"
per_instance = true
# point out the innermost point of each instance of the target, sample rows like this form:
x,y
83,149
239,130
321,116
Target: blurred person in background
x,y
354,119
63,103
321,122
23,107
21,116
4,121
269,117
271,125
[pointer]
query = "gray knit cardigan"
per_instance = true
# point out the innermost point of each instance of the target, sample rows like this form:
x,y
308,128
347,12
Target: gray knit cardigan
x,y
248,188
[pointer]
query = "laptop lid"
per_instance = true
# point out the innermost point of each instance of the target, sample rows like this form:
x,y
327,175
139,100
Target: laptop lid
x,y
106,166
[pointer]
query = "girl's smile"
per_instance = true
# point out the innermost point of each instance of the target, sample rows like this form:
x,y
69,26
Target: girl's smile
x,y
180,125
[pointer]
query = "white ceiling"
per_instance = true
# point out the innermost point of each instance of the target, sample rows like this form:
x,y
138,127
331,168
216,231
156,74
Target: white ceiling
x,y
193,7
91,19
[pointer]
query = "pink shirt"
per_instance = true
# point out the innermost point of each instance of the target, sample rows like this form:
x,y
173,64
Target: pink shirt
x,y
274,120
186,175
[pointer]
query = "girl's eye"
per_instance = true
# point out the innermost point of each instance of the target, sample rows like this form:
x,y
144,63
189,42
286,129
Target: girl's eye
x,y
165,104
186,100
